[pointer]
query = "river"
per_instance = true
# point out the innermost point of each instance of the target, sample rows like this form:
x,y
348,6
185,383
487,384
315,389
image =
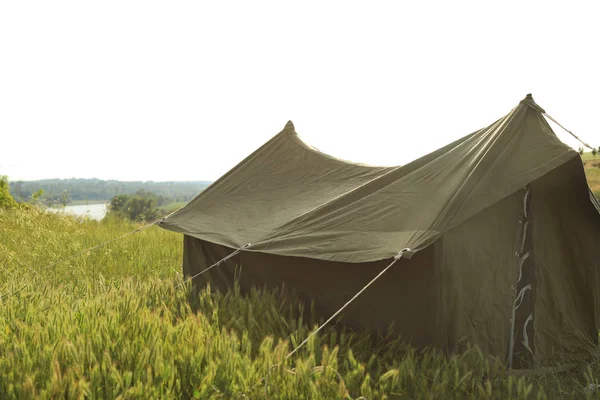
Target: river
x,y
94,211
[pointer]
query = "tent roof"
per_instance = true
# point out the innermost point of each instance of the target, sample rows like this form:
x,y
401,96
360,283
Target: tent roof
x,y
289,199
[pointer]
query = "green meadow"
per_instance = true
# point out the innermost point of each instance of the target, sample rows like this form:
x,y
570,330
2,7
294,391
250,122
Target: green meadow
x,y
591,165
111,324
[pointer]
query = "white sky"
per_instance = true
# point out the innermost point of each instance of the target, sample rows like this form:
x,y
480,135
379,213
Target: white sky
x,y
146,90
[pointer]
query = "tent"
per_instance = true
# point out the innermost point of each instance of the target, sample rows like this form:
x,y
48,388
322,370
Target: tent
x,y
501,228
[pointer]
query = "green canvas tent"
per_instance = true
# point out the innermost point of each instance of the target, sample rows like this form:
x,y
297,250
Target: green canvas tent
x,y
502,231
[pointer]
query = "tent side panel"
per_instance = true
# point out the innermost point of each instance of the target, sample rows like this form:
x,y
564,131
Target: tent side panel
x,y
199,255
478,270
566,241
405,295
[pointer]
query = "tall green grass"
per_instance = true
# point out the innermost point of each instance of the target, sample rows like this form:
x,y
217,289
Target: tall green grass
x,y
591,165
110,324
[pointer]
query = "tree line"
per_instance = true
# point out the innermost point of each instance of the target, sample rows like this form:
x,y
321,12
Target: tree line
x,y
142,206
65,191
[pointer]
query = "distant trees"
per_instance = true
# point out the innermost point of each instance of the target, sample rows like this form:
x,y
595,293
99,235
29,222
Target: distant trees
x,y
143,206
63,191
6,200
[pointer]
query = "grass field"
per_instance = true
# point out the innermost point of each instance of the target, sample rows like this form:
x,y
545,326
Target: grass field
x,y
171,207
592,171
110,324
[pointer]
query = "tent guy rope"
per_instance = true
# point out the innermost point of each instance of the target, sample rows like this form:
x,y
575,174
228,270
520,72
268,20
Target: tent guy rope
x,y
396,258
235,253
247,245
571,133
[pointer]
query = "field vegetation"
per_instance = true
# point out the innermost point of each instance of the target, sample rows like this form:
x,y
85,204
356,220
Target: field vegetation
x,y
591,164
112,324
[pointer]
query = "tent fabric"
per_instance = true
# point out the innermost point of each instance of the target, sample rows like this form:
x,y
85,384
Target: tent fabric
x,y
476,282
328,286
289,199
567,263
325,227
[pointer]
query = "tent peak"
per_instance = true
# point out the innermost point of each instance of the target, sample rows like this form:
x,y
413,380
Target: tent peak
x,y
528,100
289,126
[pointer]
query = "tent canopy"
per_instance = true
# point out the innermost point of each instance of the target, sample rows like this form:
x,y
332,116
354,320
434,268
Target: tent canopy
x,y
289,199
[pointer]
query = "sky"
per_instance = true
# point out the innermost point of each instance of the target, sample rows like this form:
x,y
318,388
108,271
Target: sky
x,y
148,90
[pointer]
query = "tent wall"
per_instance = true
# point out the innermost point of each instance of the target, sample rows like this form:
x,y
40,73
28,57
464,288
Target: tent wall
x,y
478,271
406,294
566,235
